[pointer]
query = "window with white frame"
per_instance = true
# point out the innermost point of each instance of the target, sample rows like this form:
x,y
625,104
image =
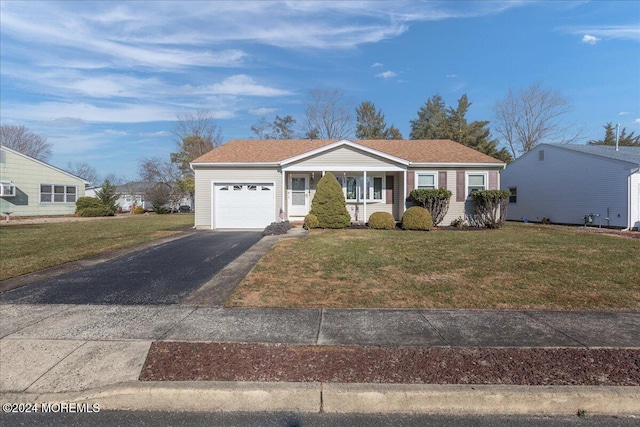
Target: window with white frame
x,y
426,181
374,188
476,182
52,193
353,187
7,189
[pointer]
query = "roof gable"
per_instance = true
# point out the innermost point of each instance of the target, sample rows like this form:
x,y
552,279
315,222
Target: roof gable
x,y
41,163
406,152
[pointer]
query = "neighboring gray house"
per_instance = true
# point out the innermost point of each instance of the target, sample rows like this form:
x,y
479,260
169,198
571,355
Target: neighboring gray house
x,y
565,183
30,187
251,183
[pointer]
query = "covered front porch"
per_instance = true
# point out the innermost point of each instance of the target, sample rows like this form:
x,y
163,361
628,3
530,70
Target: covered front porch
x,y
365,192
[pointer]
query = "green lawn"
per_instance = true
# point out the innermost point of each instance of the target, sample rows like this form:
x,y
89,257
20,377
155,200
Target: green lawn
x,y
32,247
519,266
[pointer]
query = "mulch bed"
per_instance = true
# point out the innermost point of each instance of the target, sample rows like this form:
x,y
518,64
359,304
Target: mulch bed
x,y
187,361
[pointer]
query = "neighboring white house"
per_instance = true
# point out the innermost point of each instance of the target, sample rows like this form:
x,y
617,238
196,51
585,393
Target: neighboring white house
x,y
30,187
566,183
251,183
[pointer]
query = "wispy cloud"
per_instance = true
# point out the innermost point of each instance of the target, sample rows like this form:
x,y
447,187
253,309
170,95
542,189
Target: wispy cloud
x,y
451,76
637,120
242,84
590,39
377,65
592,34
264,111
154,134
387,74
623,113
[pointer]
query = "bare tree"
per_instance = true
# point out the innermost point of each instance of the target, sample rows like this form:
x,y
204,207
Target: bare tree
x,y
196,134
201,124
531,116
84,171
328,114
165,175
22,140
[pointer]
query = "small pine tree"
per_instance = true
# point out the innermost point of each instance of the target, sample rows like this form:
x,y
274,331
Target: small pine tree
x,y
108,195
329,205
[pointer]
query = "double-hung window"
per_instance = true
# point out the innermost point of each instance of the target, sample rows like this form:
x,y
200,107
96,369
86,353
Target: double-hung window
x,y
513,194
374,188
476,182
51,193
426,181
354,187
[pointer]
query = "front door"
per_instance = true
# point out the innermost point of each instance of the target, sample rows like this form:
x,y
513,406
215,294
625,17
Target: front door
x,y
298,195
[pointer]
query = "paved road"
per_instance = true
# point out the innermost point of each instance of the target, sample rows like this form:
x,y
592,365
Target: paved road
x,y
164,274
276,419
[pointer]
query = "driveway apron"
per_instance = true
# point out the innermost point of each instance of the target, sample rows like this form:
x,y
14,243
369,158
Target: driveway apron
x,y
164,274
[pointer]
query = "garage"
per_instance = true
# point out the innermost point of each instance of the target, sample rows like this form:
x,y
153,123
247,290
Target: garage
x,y
243,205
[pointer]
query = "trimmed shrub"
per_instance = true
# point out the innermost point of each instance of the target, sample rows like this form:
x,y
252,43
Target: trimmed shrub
x,y
328,204
382,221
417,218
87,202
311,221
277,228
161,210
138,210
491,207
93,212
435,201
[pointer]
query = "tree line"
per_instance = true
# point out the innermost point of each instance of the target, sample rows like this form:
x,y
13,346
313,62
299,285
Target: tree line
x,y
523,119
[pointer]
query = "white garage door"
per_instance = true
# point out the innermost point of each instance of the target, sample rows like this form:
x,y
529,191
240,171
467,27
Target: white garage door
x,y
239,205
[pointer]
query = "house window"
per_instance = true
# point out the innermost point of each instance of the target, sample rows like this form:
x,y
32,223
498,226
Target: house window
x,y
513,194
252,187
426,181
7,189
374,188
476,182
541,155
237,187
50,193
352,185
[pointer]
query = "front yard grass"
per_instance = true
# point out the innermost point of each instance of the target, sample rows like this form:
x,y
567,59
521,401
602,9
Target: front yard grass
x,y
521,266
31,247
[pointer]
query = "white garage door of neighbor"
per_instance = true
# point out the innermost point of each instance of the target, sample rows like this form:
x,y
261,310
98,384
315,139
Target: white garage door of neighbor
x,y
244,205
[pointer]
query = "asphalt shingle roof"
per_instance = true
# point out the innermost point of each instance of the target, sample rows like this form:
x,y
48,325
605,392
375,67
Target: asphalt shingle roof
x,y
277,150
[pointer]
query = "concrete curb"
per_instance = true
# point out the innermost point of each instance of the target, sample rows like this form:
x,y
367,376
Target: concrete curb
x,y
348,398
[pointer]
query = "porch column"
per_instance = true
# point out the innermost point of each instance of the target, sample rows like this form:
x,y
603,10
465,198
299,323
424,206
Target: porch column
x,y
364,198
404,192
283,203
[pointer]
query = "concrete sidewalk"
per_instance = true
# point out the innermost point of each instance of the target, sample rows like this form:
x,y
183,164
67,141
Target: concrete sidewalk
x,y
94,354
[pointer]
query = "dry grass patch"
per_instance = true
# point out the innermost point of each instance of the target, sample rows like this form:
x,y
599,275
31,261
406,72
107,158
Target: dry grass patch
x,y
519,266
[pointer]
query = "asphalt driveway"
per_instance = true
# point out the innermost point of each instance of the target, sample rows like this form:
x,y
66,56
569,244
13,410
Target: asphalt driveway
x,y
160,275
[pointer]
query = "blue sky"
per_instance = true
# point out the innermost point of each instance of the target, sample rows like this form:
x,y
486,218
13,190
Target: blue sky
x,y
104,81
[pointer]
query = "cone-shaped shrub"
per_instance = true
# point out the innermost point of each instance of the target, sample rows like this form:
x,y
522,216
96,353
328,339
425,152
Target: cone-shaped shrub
x,y
329,205
417,218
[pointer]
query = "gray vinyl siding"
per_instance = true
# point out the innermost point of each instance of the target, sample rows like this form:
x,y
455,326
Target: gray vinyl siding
x,y
567,185
27,175
205,176
343,158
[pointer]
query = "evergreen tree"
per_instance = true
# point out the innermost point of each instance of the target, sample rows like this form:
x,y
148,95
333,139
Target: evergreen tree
x,y
328,204
108,195
432,120
624,140
371,124
435,121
